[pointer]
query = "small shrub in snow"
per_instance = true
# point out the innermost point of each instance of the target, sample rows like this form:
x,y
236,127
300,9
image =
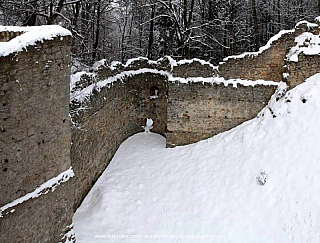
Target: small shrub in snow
x,y
262,178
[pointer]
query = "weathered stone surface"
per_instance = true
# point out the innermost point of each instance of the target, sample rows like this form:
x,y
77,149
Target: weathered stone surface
x,y
269,65
43,219
303,69
194,69
35,140
113,115
35,119
8,35
198,111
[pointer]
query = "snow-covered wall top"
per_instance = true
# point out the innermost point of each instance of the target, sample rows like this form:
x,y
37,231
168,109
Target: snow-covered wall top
x,y
167,59
261,49
272,40
83,84
265,67
307,43
270,62
29,36
80,95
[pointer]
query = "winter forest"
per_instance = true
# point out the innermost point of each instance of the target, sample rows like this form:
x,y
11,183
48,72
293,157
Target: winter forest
x,y
123,29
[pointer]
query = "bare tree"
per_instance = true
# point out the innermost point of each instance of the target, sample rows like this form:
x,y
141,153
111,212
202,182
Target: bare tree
x,y
255,23
121,29
151,35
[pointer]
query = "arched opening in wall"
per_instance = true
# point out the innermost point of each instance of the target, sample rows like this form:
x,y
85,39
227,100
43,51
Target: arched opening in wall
x,y
154,92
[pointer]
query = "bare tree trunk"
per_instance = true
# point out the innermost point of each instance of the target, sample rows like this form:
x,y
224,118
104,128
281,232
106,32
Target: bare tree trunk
x,y
188,31
74,23
255,22
279,15
187,24
54,14
150,45
318,7
97,34
232,31
130,36
185,12
31,17
141,52
123,35
76,13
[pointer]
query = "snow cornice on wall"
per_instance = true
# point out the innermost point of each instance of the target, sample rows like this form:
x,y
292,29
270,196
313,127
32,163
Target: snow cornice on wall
x,y
27,36
183,71
302,24
264,67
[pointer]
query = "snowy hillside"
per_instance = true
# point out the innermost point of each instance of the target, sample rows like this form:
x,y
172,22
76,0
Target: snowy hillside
x,y
258,182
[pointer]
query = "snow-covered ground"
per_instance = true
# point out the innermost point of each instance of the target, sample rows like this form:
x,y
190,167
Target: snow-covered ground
x,y
214,189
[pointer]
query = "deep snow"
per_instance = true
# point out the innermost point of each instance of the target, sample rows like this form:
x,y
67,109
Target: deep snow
x,y
210,188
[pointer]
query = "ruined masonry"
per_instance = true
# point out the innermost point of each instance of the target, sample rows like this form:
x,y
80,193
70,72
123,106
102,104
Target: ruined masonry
x,y
56,140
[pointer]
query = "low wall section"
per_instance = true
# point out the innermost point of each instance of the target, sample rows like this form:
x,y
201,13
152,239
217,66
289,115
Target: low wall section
x,y
299,71
197,111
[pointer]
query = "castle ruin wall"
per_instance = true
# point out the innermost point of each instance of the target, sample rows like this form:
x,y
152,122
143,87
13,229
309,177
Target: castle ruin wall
x,y
198,111
268,64
110,116
35,141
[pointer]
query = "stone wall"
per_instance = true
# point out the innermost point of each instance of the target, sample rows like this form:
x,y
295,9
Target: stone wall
x,y
35,140
268,65
194,68
197,111
8,35
299,71
44,219
112,115
106,71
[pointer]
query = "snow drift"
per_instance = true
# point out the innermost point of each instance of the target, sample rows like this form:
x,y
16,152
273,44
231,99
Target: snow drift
x,y
212,189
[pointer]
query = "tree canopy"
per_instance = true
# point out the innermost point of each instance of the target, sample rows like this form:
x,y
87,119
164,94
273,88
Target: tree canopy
x,y
122,29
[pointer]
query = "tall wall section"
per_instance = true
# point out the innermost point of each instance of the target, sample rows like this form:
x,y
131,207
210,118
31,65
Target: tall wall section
x,y
35,141
198,109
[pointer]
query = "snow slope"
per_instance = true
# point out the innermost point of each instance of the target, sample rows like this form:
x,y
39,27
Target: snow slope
x,y
210,189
